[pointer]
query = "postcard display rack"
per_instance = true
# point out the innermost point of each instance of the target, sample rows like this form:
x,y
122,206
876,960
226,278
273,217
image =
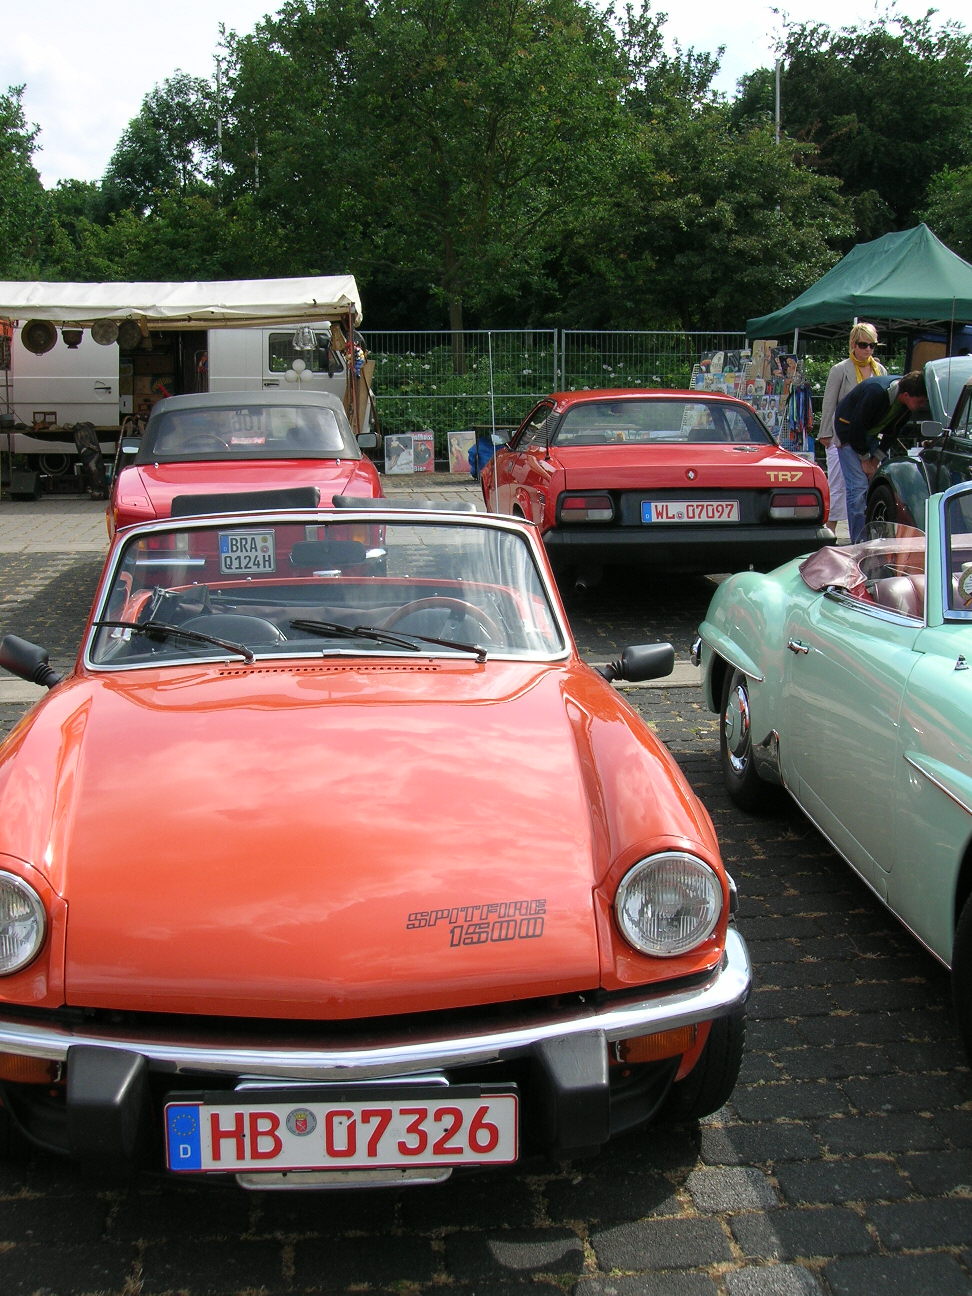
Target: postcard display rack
x,y
770,378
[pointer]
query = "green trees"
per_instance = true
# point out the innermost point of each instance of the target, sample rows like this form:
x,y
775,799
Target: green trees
x,y
23,203
518,162
887,107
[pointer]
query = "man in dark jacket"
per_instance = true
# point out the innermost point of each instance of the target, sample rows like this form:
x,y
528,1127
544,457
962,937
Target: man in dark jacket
x,y
865,422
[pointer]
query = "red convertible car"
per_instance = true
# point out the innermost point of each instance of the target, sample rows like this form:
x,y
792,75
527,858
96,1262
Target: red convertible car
x,y
277,448
665,480
329,862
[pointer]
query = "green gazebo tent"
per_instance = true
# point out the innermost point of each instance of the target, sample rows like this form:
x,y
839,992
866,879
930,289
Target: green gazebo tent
x,y
899,281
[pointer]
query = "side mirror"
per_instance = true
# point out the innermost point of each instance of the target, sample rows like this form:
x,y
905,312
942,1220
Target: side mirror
x,y
639,663
367,440
130,446
930,430
27,661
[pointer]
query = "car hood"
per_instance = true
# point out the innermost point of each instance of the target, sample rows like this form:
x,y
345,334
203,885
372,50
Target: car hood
x,y
674,467
158,484
335,839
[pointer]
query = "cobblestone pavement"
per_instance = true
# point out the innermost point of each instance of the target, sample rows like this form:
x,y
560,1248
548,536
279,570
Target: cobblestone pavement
x,y
842,1166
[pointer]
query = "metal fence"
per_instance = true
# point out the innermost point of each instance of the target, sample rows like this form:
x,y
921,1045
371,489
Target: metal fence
x,y
440,381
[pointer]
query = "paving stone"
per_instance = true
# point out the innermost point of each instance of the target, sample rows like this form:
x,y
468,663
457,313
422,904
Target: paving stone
x,y
332,1264
481,1255
893,1133
796,1100
666,1284
731,1188
661,1244
771,1141
43,1269
898,1275
936,1173
224,1264
843,1179
798,1233
932,1222
773,1280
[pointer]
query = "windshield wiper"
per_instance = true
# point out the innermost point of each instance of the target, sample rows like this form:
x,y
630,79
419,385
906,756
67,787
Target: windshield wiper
x,y
386,636
160,630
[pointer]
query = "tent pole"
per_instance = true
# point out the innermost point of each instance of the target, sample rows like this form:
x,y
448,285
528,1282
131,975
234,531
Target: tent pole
x,y
796,339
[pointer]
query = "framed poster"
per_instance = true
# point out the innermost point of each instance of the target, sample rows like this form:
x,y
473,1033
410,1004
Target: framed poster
x,y
460,443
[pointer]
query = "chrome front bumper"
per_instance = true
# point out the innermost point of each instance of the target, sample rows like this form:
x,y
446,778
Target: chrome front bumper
x,y
725,990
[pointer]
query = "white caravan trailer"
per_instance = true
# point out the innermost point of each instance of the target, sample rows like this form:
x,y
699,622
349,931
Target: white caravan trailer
x,y
102,354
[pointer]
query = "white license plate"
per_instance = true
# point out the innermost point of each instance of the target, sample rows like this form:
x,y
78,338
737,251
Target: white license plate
x,y
690,511
275,1130
247,551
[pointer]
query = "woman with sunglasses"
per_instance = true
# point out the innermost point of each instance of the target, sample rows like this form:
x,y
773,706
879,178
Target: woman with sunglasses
x,y
843,377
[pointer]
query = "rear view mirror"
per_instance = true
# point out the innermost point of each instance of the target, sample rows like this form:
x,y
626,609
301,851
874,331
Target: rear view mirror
x,y
28,661
327,555
641,662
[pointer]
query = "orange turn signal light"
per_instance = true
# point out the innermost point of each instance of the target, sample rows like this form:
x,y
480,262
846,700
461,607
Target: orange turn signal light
x,y
651,1048
28,1070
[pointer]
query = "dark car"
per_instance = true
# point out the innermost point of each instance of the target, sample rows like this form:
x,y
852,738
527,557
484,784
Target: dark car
x,y
931,455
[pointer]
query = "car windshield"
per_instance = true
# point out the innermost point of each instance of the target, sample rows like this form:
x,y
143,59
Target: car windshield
x,y
257,431
958,551
315,584
660,422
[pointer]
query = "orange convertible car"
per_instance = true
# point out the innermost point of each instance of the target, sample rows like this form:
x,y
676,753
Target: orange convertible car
x,y
329,862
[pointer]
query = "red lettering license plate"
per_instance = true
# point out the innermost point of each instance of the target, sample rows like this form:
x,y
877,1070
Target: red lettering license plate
x,y
308,1130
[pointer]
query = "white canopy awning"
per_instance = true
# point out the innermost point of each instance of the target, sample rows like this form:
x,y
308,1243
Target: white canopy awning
x,y
231,303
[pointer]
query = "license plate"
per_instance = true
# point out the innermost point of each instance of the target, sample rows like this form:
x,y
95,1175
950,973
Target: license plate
x,y
277,1130
247,551
690,511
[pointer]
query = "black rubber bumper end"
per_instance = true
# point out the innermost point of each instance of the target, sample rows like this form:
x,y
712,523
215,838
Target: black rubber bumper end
x,y
107,1108
575,1107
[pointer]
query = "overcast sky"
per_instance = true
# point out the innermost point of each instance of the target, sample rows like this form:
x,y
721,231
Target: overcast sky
x,y
87,64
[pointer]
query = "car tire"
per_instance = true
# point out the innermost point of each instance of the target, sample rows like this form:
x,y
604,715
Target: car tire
x,y
962,976
708,1085
745,787
882,507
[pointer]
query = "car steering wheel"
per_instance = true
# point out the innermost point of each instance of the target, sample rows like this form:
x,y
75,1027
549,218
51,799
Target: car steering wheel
x,y
456,605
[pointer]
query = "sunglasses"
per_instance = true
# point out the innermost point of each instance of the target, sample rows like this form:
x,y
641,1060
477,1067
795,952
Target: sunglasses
x,y
869,345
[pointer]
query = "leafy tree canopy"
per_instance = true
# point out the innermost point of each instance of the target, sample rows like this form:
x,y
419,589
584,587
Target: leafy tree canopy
x,y
23,202
887,106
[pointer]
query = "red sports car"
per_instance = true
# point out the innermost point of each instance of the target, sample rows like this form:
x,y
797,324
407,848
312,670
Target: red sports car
x,y
330,862
666,480
277,448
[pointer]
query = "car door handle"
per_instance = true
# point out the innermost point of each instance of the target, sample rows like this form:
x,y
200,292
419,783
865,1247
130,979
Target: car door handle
x,y
100,387
795,646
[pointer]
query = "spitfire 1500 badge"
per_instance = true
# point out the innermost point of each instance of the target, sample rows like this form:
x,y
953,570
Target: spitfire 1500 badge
x,y
484,924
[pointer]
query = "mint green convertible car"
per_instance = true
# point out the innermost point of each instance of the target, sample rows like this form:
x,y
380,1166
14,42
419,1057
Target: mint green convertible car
x,y
845,677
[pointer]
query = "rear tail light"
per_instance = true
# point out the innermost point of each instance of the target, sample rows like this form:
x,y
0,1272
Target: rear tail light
x,y
788,506
585,508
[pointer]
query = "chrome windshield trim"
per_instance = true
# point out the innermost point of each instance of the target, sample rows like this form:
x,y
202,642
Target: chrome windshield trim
x,y
725,990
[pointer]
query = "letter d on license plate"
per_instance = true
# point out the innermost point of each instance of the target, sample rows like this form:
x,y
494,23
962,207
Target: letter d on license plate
x,y
303,1130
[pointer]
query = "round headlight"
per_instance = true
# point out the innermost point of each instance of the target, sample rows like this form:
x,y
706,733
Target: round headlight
x,y
667,904
22,923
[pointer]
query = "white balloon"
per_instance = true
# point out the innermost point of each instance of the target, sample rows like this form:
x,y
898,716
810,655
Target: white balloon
x,y
291,376
300,366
